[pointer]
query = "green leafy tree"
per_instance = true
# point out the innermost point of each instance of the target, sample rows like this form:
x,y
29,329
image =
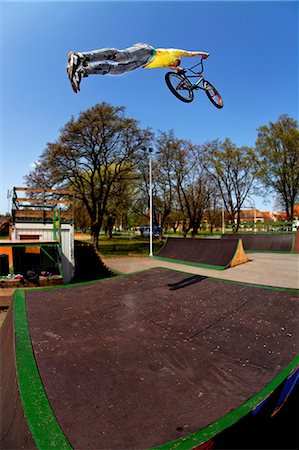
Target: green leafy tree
x,y
277,157
118,206
92,155
81,216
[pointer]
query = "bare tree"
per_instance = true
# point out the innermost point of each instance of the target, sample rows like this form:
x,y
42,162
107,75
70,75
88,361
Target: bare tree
x,y
277,157
233,171
182,181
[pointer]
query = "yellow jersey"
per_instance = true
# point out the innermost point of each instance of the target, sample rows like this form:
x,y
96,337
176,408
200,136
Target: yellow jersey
x,y
165,57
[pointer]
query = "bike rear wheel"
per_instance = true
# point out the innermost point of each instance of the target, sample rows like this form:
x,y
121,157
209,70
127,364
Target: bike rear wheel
x,y
213,94
180,86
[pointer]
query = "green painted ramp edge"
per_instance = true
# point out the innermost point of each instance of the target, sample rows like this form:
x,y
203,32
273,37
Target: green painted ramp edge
x,y
188,263
41,420
207,433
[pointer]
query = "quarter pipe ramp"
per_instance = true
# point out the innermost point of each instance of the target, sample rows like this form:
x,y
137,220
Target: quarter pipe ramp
x,y
212,253
264,242
157,359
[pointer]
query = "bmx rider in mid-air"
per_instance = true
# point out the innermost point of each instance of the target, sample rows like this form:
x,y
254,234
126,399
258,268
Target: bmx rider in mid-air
x,y
116,62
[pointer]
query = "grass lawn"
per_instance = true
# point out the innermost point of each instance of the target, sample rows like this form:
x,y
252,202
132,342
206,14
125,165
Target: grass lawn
x,y
121,245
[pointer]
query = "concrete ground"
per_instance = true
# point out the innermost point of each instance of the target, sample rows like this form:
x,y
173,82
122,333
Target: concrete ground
x,y
268,269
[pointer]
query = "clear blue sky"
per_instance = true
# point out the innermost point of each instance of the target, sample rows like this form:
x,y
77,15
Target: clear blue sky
x,y
253,62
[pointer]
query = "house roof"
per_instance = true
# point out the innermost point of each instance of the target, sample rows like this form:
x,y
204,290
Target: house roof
x,y
251,214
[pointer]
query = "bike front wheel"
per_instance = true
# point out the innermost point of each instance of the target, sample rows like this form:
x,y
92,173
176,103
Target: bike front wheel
x,y
213,94
180,86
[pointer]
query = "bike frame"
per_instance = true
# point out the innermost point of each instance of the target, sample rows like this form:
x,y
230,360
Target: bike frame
x,y
196,75
187,85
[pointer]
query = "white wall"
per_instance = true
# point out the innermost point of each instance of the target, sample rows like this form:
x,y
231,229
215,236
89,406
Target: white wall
x,y
45,233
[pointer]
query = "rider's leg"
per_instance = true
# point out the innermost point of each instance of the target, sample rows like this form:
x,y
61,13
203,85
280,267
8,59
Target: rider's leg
x,y
125,61
102,54
140,53
136,52
106,67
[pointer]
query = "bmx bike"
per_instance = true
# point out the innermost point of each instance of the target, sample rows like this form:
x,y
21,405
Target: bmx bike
x,y
180,85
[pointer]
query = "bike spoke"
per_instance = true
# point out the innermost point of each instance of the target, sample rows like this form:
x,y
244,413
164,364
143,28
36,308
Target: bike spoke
x,y
183,89
180,86
213,95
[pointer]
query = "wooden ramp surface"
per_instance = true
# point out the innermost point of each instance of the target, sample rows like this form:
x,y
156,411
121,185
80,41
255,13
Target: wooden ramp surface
x,y
212,253
137,361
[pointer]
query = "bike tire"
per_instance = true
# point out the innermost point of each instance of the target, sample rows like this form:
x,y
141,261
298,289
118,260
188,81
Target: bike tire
x,y
213,94
180,86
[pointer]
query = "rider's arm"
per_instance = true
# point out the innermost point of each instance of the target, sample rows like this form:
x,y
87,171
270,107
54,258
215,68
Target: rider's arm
x,y
175,68
204,55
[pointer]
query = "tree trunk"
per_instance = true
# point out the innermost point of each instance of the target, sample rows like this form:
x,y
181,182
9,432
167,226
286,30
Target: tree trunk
x,y
95,232
238,220
109,227
194,232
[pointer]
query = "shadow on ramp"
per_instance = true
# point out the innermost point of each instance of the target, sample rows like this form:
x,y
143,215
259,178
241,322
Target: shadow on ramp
x,y
186,282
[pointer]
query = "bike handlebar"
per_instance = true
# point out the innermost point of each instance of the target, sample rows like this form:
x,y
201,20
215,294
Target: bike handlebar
x,y
190,69
198,64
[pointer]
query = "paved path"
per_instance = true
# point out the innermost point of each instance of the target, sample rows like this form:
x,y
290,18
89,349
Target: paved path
x,y
267,269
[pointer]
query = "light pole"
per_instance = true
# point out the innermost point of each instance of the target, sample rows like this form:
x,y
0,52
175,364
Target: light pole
x,y
223,222
151,201
254,218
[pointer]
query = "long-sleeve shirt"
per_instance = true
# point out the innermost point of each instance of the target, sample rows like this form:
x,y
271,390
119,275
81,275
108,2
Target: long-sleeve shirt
x,y
165,57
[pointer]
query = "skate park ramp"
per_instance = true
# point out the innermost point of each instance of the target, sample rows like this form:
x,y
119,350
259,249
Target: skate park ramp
x,y
264,242
88,264
156,358
210,253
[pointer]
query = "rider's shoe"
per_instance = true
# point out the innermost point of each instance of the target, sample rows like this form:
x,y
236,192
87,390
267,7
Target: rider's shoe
x,y
68,69
76,79
75,59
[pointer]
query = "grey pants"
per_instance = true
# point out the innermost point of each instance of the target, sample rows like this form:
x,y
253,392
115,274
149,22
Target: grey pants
x,y
116,62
